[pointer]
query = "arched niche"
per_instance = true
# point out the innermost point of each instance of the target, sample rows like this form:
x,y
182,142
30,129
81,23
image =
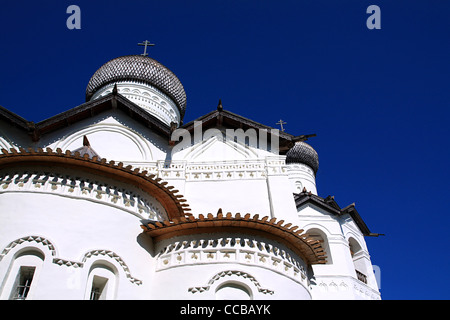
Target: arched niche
x,y
111,141
233,290
318,234
358,258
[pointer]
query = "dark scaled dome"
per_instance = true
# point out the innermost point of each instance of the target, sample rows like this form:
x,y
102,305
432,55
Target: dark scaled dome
x,y
302,152
140,69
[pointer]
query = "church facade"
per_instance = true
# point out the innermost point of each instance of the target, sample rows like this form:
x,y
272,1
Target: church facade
x,y
117,198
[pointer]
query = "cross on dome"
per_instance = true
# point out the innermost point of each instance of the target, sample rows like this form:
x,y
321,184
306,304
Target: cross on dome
x,y
146,43
281,122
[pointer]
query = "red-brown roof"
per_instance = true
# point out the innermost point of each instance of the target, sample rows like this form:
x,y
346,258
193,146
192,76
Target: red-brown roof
x,y
309,249
173,203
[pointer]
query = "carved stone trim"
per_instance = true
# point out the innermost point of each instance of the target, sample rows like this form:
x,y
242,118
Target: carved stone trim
x,y
134,201
232,249
231,273
69,263
344,285
37,239
174,204
117,258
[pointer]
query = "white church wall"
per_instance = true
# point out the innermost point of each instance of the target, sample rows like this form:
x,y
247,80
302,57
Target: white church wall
x,y
79,232
357,245
246,196
223,173
221,144
213,147
338,279
280,190
113,136
241,178
301,176
202,282
312,217
261,268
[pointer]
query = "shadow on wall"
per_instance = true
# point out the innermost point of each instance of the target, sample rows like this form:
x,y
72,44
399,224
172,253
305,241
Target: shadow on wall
x,y
146,243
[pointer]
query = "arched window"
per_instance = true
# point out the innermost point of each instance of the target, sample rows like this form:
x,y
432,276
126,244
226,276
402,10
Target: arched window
x,y
232,290
322,238
357,256
102,282
354,246
22,278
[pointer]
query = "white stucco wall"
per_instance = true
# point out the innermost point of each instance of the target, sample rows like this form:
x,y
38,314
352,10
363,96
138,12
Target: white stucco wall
x,y
75,228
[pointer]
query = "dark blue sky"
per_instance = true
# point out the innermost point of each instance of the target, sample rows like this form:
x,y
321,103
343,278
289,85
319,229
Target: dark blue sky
x,y
378,100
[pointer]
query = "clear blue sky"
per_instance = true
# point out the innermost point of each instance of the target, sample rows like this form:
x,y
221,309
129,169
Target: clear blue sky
x,y
378,100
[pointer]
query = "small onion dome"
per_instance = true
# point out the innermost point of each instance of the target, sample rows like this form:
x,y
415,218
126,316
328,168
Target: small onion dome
x,y
140,69
303,153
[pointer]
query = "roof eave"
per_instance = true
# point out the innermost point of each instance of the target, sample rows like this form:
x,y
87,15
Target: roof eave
x,y
330,205
112,101
221,117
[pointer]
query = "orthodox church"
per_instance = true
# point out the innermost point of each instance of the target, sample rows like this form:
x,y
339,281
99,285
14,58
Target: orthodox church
x,y
117,198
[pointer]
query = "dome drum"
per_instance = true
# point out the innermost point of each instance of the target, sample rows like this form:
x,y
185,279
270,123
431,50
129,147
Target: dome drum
x,y
147,97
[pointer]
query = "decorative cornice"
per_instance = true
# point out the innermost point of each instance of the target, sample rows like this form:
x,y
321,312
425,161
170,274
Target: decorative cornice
x,y
174,204
131,199
220,248
309,249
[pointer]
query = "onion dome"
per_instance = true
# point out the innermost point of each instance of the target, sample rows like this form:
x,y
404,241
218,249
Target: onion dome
x,y
303,153
139,69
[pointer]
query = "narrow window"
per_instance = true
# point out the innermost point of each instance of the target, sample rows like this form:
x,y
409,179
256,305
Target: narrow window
x,y
22,284
98,290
